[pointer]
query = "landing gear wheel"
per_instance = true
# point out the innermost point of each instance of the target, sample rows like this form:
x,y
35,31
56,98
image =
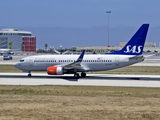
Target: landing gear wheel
x,y
29,75
83,74
76,75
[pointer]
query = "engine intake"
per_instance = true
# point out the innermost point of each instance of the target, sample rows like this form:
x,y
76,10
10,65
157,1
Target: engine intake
x,y
54,70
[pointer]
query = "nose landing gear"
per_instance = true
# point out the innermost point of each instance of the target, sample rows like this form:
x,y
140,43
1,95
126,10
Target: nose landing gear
x,y
29,75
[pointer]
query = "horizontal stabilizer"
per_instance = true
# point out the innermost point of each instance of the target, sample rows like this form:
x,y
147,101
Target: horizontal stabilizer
x,y
137,57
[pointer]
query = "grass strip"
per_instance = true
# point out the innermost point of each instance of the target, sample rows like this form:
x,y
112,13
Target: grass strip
x,y
91,91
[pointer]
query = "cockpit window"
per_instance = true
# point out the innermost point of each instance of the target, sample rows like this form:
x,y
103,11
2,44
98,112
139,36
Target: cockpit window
x,y
21,60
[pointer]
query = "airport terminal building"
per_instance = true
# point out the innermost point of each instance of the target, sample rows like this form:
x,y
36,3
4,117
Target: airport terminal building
x,y
20,40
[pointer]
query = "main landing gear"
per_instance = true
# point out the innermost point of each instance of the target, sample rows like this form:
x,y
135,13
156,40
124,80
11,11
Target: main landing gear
x,y
76,75
83,74
29,75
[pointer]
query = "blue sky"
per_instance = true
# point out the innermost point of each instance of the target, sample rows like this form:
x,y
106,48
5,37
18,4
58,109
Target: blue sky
x,y
78,14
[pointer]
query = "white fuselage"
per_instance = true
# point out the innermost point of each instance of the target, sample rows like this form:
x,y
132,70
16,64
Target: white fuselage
x,y
89,63
4,51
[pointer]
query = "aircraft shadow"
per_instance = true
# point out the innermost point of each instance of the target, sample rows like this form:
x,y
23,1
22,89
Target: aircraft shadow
x,y
71,78
124,78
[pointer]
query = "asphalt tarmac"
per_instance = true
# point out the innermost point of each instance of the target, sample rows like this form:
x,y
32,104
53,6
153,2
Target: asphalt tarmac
x,y
90,80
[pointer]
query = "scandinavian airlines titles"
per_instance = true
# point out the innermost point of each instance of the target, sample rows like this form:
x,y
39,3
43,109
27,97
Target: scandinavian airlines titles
x,y
133,49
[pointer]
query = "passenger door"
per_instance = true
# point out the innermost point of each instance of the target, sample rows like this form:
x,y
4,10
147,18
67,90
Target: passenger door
x,y
117,61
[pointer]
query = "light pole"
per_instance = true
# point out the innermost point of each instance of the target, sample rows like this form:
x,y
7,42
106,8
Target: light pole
x,y
108,25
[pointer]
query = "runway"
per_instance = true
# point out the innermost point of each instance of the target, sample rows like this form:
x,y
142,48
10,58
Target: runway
x,y
90,80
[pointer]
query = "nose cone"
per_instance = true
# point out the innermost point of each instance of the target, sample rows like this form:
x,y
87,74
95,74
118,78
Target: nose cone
x,y
17,65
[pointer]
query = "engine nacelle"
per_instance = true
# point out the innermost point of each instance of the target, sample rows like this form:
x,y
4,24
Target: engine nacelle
x,y
54,70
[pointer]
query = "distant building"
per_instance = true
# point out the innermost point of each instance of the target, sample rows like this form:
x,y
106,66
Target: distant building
x,y
21,40
150,46
147,44
98,50
122,44
60,47
28,43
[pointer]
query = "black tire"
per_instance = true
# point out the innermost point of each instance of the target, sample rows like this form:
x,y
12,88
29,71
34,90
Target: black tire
x,y
76,75
29,75
83,74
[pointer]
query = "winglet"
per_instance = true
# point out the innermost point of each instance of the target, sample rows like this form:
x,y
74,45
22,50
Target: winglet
x,y
81,56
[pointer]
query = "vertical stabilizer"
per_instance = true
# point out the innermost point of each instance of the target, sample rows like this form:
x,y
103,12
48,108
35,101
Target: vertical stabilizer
x,y
136,43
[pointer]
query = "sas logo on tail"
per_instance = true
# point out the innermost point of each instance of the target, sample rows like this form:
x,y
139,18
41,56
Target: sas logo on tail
x,y
133,49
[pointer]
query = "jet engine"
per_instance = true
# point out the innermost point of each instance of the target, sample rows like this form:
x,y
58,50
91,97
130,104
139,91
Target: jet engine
x,y
54,70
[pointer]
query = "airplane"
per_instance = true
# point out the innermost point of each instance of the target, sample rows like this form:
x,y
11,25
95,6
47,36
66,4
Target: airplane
x,y
130,54
66,52
6,51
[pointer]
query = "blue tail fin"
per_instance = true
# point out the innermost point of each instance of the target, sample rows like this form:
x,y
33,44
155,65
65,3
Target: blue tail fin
x,y
136,43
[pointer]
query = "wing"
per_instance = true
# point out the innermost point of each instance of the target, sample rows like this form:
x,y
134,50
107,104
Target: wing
x,y
56,52
66,52
76,64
